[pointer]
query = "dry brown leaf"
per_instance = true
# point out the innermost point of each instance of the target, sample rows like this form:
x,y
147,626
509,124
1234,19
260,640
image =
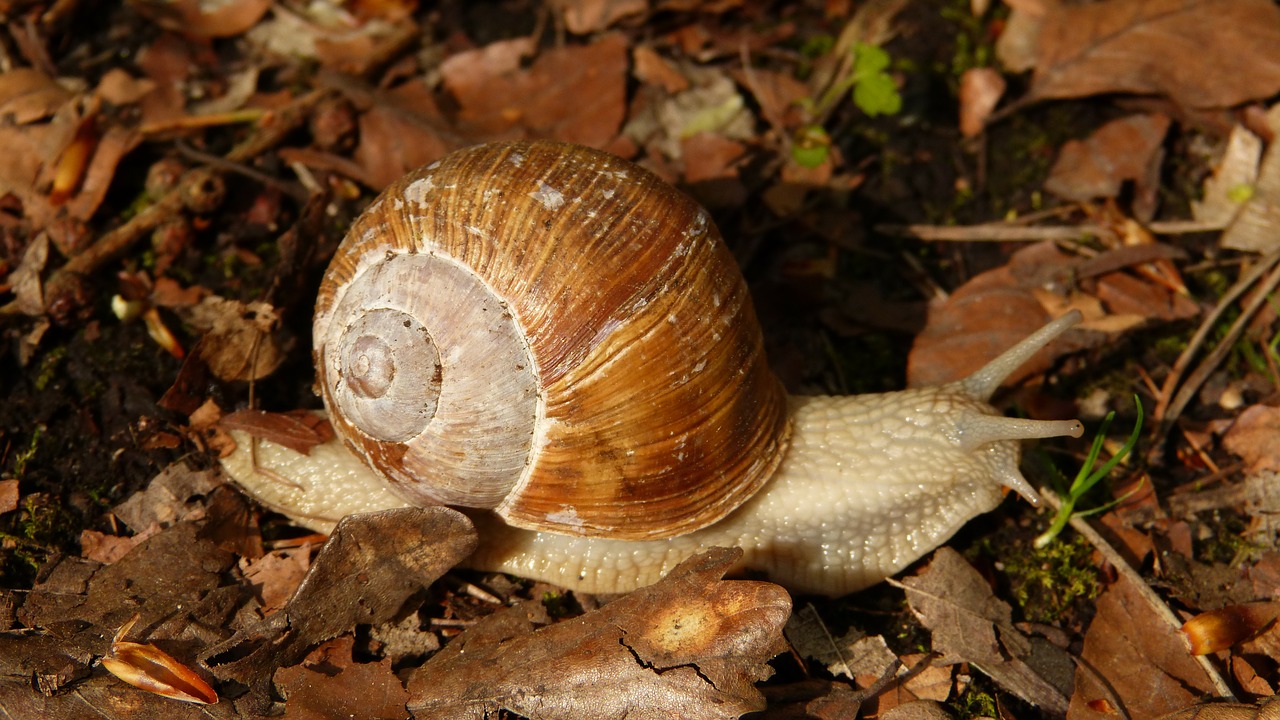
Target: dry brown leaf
x,y
653,69
104,548
398,134
149,668
1255,437
1264,575
25,281
970,624
204,18
1019,41
1236,171
812,699
239,341
118,87
93,698
1123,150
1254,226
709,157
172,495
1144,661
583,17
330,685
1199,53
1124,294
276,575
986,316
28,95
573,93
179,584
690,646
779,94
918,710
980,92
713,104
1267,709
298,430
8,496
371,565
62,167
852,655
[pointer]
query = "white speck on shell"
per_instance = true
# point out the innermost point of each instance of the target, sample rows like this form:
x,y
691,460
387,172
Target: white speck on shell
x,y
551,198
699,226
566,516
418,190
517,159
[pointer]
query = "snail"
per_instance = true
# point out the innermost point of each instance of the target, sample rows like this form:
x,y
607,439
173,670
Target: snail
x,y
556,338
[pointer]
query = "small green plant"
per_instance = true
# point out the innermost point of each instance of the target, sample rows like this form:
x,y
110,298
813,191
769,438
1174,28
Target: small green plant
x,y
872,89
1090,475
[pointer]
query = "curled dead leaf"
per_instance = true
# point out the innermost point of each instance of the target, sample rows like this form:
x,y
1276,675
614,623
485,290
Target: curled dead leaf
x,y
149,668
241,337
1219,629
980,92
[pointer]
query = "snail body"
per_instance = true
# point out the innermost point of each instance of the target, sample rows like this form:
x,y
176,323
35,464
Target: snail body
x,y
556,338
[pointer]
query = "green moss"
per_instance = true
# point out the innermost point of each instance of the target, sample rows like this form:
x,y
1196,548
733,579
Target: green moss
x,y
972,47
22,458
49,367
41,525
559,606
1227,543
1047,582
975,703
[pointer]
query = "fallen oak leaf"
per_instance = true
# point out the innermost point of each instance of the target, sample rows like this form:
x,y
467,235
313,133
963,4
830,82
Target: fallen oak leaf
x,y
970,624
1145,663
1199,53
1267,708
329,684
1123,150
690,646
370,567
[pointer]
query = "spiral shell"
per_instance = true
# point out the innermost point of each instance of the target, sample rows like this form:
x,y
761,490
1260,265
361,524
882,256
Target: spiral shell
x,y
553,333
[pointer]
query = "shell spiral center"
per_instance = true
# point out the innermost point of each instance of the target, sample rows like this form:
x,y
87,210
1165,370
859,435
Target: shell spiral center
x,y
391,374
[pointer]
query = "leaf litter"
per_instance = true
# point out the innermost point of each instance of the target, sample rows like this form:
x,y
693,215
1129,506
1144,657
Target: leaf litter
x,y
259,159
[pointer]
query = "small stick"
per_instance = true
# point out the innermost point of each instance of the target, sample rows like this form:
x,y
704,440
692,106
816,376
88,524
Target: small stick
x,y
114,243
1016,232
1168,405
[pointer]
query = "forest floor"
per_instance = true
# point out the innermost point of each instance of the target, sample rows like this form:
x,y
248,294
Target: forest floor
x,y
908,187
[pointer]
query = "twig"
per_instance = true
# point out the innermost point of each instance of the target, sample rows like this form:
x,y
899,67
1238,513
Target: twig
x,y
114,243
1017,232
1126,570
1168,405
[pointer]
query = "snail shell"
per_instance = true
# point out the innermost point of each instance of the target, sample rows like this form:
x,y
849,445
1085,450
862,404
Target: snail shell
x,y
567,342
